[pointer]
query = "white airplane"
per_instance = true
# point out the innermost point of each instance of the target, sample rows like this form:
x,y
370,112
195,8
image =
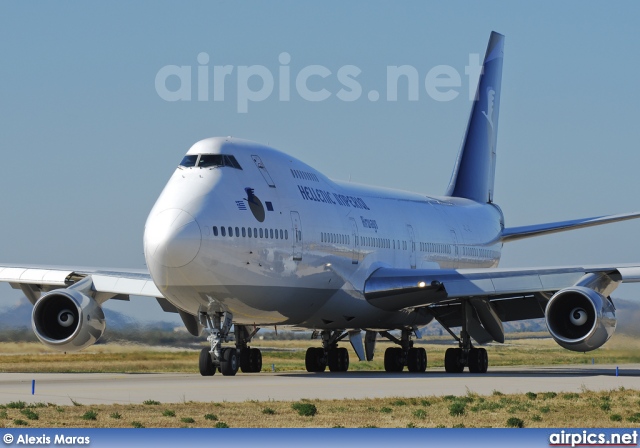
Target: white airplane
x,y
244,236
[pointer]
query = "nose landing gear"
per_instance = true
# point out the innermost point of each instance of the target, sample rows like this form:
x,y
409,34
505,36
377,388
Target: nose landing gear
x,y
229,359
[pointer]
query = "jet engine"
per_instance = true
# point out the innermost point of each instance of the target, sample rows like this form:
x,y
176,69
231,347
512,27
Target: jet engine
x,y
580,319
67,320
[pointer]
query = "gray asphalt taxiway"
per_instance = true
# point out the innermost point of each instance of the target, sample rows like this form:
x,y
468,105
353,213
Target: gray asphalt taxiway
x,y
105,388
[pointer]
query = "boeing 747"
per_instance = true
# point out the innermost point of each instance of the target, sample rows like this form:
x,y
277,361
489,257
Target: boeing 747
x,y
244,236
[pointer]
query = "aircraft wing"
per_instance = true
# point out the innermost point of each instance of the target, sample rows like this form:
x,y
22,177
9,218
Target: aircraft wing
x,y
106,283
101,284
495,295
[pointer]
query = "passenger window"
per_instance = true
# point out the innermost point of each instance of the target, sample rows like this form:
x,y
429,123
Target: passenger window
x,y
237,232
244,234
230,231
271,233
261,234
281,234
223,231
215,230
286,234
249,231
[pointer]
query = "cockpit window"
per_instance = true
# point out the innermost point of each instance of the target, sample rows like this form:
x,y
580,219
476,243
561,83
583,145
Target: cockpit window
x,y
189,161
210,160
217,160
231,161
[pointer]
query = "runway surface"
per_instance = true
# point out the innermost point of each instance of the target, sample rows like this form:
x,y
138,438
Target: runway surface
x,y
104,388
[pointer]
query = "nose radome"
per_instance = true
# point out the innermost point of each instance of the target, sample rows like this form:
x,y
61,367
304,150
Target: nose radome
x,y
172,238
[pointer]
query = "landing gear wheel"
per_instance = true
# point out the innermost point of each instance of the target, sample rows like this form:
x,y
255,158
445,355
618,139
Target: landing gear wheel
x,y
314,360
393,359
344,358
453,360
229,362
206,363
417,360
338,359
245,360
478,360
250,360
256,360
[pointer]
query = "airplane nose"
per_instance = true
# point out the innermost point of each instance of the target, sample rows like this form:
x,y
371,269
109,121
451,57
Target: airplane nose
x,y
172,238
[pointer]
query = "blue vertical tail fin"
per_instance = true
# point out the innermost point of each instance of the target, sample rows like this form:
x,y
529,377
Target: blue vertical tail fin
x,y
473,175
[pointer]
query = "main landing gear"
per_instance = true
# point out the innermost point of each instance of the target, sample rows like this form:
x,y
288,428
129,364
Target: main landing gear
x,y
337,358
396,358
466,355
228,360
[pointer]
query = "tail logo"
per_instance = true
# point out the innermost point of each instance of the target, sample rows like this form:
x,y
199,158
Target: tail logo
x,y
491,96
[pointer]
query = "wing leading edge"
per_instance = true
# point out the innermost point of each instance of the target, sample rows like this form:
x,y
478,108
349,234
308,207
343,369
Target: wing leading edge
x,y
107,284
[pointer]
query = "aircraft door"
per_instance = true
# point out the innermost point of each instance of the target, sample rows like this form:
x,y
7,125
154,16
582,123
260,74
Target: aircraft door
x,y
296,227
412,247
356,242
263,170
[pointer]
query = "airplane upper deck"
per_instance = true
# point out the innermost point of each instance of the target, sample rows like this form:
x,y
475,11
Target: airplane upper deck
x,y
230,152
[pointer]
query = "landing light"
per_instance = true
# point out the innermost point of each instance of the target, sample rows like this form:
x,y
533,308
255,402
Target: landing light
x,y
422,285
328,265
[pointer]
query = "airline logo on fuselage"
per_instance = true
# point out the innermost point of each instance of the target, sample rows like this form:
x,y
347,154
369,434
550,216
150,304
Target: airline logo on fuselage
x,y
369,223
319,195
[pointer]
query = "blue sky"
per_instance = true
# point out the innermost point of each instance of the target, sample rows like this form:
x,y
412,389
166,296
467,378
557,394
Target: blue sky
x,y
87,143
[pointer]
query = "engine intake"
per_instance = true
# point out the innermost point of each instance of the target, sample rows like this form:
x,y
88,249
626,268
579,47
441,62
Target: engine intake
x,y
67,320
580,319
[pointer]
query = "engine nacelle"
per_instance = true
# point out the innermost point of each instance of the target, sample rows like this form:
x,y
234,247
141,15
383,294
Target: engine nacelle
x,y
67,320
580,319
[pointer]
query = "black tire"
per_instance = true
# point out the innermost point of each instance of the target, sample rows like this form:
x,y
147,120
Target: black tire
x,y
229,363
310,359
417,360
256,360
313,360
245,361
206,363
344,359
452,360
413,360
423,360
478,360
338,359
393,359
321,359
334,361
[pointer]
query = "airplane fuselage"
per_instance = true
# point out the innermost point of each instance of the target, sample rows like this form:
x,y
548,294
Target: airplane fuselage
x,y
261,234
